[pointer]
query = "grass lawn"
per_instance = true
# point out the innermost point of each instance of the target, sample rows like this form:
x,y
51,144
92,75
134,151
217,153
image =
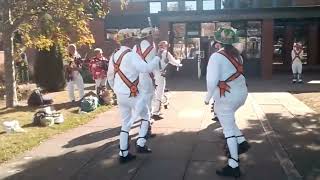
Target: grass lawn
x,y
12,145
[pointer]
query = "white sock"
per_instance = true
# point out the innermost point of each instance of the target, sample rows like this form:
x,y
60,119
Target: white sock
x,y
233,149
124,144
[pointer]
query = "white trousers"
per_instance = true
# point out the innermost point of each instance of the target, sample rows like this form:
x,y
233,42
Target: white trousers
x,y
296,67
130,109
225,110
78,81
147,98
157,100
101,82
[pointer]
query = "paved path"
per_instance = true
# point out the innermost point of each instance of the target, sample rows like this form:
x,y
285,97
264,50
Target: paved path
x,y
188,145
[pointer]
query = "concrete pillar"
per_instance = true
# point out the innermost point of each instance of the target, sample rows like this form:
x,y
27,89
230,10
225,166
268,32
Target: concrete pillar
x,y
288,43
255,3
164,30
199,5
267,48
274,3
236,4
313,44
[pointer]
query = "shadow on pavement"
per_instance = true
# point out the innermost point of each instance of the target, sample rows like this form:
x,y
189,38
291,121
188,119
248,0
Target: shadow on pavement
x,y
183,154
300,137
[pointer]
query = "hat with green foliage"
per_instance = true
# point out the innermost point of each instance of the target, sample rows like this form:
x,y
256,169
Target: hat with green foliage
x,y
226,35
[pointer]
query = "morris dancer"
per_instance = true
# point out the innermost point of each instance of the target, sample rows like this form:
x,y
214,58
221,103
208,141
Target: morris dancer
x,y
297,55
227,86
160,77
147,51
73,75
98,67
125,67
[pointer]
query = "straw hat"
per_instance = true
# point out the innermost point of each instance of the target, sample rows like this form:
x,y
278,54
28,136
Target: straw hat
x,y
226,35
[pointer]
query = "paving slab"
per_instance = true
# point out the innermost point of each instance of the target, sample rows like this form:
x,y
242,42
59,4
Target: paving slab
x,y
188,145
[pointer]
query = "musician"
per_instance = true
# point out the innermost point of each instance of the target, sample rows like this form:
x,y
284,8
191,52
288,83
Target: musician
x,y
72,72
98,67
160,77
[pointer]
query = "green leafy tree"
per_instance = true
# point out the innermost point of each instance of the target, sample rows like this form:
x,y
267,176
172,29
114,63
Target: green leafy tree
x,y
44,24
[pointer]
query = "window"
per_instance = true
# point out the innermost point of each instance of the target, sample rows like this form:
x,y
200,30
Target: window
x,y
190,5
253,39
207,29
155,7
209,4
172,6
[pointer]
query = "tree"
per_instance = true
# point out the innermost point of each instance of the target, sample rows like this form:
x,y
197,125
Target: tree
x,y
49,63
43,24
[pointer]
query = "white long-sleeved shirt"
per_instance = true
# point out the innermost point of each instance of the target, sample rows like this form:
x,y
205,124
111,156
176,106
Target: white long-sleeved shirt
x,y
131,66
146,83
166,57
219,69
293,55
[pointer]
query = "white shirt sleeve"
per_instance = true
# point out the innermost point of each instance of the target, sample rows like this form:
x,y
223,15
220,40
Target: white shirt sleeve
x,y
143,67
212,76
110,73
172,60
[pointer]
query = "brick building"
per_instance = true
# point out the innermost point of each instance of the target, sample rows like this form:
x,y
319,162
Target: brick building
x,y
267,27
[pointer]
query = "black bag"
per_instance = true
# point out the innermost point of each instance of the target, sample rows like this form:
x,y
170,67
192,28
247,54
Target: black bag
x,y
36,99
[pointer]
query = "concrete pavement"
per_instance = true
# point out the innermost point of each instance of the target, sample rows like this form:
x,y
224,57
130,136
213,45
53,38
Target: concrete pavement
x,y
188,146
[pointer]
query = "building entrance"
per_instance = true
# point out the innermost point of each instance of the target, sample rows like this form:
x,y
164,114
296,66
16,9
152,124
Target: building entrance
x,y
192,43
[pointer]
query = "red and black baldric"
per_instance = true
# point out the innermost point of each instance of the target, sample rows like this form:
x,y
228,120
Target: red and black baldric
x,y
297,55
223,86
133,86
144,54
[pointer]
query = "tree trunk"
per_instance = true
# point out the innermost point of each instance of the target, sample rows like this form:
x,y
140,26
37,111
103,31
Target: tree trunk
x,y
9,71
10,82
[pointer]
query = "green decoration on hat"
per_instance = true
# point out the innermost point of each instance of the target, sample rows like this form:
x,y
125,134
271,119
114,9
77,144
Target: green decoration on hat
x,y
226,35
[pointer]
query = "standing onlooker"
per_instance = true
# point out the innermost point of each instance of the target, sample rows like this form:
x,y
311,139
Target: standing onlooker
x,y
99,68
297,55
23,68
73,75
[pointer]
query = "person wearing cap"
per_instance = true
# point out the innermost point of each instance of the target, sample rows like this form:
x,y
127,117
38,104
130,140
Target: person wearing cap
x,y
72,73
160,77
125,66
98,67
297,55
226,84
146,49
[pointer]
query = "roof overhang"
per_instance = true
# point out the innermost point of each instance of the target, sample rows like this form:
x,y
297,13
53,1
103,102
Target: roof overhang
x,y
242,14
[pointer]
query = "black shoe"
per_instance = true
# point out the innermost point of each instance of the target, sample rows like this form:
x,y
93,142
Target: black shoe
x,y
165,106
242,148
229,171
150,134
215,119
126,159
143,150
156,117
